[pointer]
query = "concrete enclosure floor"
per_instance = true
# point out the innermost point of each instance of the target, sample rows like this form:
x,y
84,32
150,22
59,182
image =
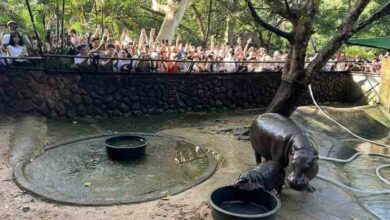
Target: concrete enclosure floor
x,y
235,156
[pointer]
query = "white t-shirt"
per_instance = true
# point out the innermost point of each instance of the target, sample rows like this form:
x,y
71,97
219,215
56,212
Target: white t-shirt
x,y
122,63
16,51
6,38
79,59
230,67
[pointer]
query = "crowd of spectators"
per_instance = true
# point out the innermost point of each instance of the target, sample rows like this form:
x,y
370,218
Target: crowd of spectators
x,y
100,50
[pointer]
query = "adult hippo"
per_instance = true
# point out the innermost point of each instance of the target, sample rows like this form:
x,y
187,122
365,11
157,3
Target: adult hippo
x,y
280,139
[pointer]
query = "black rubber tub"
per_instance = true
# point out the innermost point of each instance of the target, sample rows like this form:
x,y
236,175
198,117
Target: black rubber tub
x,y
126,147
230,203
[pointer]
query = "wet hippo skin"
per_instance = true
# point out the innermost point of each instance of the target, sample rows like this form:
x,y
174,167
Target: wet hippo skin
x,y
275,137
268,175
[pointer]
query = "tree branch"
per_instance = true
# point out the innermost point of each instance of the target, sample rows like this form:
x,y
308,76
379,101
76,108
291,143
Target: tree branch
x,y
209,20
278,7
199,21
343,33
265,25
158,7
287,6
380,13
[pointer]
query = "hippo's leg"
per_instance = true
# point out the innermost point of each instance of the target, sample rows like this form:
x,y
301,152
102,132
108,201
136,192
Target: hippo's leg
x,y
280,187
279,190
310,188
258,158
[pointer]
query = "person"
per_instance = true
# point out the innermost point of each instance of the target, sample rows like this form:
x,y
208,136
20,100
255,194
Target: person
x,y
125,39
230,66
341,65
145,65
74,38
108,64
375,65
172,65
2,51
82,60
132,55
210,65
13,27
278,57
123,64
16,48
96,46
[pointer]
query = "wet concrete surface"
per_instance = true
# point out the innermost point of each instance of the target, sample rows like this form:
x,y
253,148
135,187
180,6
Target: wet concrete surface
x,y
80,172
328,202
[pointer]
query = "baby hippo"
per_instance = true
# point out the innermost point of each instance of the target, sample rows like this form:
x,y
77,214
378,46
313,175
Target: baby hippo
x,y
269,175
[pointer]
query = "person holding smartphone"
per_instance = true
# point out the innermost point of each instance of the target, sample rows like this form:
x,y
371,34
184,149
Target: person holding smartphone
x,y
16,48
13,27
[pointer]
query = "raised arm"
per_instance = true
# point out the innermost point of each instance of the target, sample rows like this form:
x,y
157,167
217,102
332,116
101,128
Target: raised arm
x,y
212,43
178,38
247,46
96,31
151,38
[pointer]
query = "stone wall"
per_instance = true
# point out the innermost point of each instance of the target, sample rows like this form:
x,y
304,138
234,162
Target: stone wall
x,y
65,94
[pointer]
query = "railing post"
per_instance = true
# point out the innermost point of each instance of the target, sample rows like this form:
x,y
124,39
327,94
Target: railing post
x,y
189,71
131,66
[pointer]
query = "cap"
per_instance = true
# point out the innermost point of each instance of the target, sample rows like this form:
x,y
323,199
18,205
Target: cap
x,y
11,22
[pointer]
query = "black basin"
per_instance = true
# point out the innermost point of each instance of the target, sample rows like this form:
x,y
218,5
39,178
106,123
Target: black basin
x,y
126,147
230,203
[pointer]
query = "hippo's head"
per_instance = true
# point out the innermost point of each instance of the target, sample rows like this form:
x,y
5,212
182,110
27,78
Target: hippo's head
x,y
302,168
246,181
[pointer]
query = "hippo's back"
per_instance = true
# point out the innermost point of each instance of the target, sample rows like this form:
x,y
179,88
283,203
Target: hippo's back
x,y
270,135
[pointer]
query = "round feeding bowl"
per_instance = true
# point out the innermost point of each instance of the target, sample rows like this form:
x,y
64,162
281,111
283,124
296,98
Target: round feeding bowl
x,y
230,203
126,147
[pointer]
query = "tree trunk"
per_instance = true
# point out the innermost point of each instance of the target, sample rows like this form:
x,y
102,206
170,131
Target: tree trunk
x,y
174,12
296,76
229,34
200,24
293,87
233,6
287,98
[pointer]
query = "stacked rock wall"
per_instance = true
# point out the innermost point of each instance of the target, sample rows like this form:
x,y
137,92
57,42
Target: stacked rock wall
x,y
66,94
